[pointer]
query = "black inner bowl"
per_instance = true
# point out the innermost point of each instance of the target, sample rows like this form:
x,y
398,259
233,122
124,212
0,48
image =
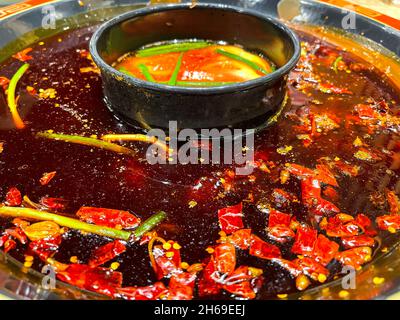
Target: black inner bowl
x,y
243,105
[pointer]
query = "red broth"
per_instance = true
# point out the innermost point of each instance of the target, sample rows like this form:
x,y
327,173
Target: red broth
x,y
323,193
196,63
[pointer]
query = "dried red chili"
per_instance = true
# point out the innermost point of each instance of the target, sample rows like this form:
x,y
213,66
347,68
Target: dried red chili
x,y
355,257
45,248
241,238
152,292
55,204
358,241
304,240
264,250
23,55
324,250
106,253
225,258
230,218
108,217
13,197
47,177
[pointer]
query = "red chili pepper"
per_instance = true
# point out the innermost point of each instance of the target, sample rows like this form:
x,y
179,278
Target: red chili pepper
x,y
108,217
355,257
338,228
23,55
3,238
13,197
311,268
239,283
166,266
280,233
262,249
225,258
241,238
277,218
388,221
9,245
311,196
101,280
152,292
55,204
181,286
323,174
207,285
45,248
324,250
305,240
18,234
230,218
47,177
365,224
358,241
106,253
4,82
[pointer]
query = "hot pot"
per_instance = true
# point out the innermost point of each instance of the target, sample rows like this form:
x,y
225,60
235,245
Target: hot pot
x,y
20,29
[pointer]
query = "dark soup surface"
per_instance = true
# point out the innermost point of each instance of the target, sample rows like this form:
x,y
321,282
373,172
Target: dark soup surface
x,y
323,193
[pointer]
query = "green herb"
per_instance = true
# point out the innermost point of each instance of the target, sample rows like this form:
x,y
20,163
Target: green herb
x,y
11,95
127,72
145,71
174,76
64,221
251,64
169,48
336,63
92,142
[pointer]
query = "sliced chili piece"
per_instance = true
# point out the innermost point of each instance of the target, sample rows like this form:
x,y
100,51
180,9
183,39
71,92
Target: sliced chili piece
x,y
225,258
311,268
241,238
55,204
108,217
324,250
358,241
23,55
277,218
166,266
101,280
47,177
106,253
4,82
45,248
355,257
230,218
264,250
389,222
281,233
305,240
181,286
207,285
152,292
13,197
238,283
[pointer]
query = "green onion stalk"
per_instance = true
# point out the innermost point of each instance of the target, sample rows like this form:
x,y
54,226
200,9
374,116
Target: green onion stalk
x,y
28,213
